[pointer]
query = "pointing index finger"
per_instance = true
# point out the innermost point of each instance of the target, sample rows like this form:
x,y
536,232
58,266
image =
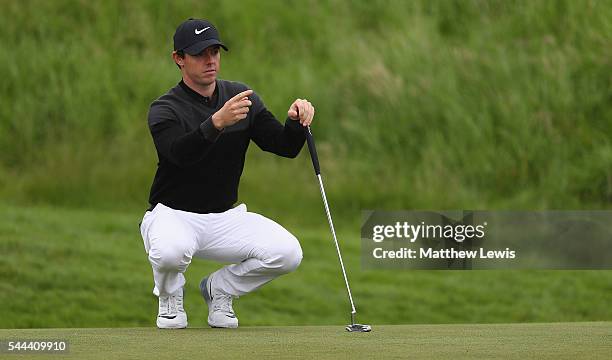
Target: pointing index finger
x,y
241,95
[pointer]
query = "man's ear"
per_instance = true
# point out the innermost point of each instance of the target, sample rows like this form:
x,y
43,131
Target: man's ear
x,y
179,59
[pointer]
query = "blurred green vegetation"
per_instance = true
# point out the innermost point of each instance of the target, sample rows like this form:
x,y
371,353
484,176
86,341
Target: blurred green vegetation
x,y
420,104
88,268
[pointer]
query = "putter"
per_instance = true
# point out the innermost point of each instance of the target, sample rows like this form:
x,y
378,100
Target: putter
x,y
315,163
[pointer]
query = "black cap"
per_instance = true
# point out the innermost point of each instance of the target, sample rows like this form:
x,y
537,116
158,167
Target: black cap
x,y
195,35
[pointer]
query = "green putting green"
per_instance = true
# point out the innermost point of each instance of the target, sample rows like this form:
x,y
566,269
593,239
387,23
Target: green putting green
x,y
592,340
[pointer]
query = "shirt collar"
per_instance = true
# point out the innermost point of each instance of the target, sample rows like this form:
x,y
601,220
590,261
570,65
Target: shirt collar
x,y
199,98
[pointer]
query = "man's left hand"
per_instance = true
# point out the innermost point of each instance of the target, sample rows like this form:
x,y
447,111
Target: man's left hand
x,y
301,110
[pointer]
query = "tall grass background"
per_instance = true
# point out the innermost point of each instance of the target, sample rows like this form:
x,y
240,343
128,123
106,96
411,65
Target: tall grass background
x,y
420,104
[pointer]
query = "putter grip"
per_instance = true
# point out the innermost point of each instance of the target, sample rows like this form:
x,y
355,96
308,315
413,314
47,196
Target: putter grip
x,y
313,150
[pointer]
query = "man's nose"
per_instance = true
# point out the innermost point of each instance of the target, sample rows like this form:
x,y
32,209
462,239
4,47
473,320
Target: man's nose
x,y
208,58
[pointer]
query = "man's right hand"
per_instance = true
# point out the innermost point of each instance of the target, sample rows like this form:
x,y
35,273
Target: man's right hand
x,y
234,110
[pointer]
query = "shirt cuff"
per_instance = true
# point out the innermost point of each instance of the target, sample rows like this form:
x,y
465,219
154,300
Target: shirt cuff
x,y
209,131
293,124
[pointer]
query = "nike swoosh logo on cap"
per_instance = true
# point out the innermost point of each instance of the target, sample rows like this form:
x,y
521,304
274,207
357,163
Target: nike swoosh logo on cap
x,y
198,32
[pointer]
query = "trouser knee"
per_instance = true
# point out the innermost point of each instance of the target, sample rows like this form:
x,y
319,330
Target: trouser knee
x,y
170,258
286,259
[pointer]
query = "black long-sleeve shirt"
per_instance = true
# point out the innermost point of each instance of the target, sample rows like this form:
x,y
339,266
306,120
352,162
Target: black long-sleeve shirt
x,y
199,166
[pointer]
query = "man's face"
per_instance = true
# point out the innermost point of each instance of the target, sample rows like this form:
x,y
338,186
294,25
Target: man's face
x,y
202,68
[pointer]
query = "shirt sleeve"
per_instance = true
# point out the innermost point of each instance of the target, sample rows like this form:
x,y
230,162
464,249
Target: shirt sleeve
x,y
182,148
270,135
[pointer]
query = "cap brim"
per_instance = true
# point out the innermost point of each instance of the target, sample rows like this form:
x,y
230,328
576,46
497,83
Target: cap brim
x,y
199,46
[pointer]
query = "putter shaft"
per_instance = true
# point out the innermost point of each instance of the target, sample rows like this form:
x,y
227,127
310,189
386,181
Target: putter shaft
x,y
315,163
331,226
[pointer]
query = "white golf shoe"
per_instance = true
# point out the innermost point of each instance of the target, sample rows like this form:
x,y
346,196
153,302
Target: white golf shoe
x,y
220,311
171,314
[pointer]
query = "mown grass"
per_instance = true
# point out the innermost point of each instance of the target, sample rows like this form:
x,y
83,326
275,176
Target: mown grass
x,y
503,341
76,268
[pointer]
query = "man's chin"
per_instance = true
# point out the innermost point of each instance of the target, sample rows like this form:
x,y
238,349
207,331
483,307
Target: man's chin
x,y
208,80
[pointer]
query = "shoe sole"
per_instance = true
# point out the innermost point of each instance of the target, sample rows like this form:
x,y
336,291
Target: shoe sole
x,y
172,327
208,300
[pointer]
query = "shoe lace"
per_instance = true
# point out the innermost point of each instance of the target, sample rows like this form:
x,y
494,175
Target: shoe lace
x,y
223,303
168,305
178,302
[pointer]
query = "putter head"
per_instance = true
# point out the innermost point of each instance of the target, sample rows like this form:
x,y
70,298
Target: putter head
x,y
358,328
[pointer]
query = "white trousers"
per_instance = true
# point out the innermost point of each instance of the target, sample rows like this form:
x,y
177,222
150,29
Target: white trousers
x,y
258,248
